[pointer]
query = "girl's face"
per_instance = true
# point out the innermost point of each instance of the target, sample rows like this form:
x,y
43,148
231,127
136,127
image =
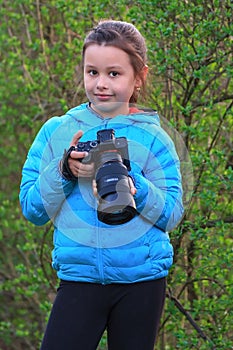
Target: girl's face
x,y
109,79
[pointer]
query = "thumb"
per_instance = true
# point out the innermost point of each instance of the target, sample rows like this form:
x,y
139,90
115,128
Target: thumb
x,y
76,138
132,186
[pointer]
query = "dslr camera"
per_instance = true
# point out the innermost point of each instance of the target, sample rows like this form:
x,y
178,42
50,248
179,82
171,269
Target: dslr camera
x,y
110,155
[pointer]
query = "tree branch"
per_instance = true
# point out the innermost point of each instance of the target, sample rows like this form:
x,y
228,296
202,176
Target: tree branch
x,y
190,319
212,144
43,243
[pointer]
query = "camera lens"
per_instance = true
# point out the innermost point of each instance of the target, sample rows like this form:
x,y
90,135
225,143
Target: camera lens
x,y
116,203
117,217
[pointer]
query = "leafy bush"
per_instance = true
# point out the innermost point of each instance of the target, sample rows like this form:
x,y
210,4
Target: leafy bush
x,y
190,60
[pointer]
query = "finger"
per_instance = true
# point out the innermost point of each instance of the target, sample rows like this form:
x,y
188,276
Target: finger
x,y
87,168
78,155
80,169
84,173
76,138
133,190
94,188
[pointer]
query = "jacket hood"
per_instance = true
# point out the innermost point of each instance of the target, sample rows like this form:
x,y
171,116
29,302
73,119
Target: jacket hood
x,y
137,116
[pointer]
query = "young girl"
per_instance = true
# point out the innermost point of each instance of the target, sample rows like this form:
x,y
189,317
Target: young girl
x,y
112,271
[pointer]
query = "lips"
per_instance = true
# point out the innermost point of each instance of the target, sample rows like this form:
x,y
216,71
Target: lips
x,y
103,97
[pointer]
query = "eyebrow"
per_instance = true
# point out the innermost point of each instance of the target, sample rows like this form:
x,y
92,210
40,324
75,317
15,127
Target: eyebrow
x,y
115,67
108,67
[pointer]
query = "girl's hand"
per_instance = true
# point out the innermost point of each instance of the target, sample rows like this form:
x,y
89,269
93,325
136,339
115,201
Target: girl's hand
x,y
133,189
76,166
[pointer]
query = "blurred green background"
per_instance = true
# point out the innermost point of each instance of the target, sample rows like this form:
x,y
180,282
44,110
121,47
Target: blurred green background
x,y
190,58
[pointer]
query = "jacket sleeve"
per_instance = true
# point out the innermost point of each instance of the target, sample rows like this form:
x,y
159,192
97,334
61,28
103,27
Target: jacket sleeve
x,y
159,189
42,189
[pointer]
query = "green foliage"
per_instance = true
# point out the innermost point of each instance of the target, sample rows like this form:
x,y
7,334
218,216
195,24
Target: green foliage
x,y
190,84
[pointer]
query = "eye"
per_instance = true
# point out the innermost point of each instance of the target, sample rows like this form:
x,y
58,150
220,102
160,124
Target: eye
x,y
113,74
92,72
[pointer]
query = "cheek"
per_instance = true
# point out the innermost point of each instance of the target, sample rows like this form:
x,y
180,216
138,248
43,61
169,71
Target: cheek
x,y
126,90
87,85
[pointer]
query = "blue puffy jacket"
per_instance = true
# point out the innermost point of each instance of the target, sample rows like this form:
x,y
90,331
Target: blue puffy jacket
x,y
85,249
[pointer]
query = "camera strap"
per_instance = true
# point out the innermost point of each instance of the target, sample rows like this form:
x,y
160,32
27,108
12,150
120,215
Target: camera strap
x,y
64,165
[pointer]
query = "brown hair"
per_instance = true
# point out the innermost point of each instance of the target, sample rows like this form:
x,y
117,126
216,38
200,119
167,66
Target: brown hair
x,y
126,37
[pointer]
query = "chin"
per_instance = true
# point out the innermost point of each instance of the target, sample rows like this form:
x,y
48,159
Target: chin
x,y
110,107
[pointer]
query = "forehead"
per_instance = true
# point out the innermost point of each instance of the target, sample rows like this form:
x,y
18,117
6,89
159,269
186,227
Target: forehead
x,y
102,54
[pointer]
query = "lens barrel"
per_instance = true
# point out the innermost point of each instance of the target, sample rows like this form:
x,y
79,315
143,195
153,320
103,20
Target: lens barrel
x,y
116,203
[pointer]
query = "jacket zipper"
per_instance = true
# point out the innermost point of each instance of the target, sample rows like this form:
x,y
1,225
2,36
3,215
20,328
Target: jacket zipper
x,y
99,249
99,254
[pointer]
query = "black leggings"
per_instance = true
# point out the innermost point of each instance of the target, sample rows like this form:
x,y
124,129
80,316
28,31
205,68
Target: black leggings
x,y
82,311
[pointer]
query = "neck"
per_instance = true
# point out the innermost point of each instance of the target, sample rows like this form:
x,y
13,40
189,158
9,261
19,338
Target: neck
x,y
110,110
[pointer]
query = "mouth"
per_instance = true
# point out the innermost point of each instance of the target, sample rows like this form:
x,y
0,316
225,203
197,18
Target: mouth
x,y
103,97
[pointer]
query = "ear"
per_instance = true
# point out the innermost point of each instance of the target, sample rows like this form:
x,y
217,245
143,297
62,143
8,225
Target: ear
x,y
145,71
141,77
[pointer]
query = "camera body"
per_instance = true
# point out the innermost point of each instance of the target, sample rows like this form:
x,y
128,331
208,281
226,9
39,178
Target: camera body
x,y
106,142
110,155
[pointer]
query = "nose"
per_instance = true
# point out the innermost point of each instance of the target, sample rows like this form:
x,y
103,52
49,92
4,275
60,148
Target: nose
x,y
102,83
